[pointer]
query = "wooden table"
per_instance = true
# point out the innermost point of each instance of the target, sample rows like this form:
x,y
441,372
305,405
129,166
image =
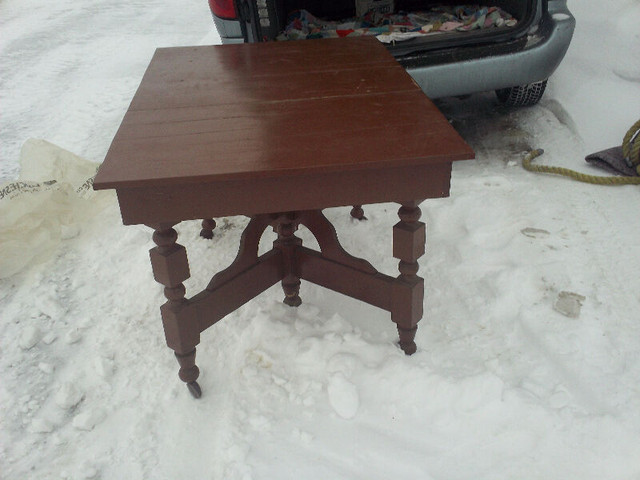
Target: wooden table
x,y
277,132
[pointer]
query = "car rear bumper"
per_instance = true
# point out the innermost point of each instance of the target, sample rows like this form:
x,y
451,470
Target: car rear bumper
x,y
536,60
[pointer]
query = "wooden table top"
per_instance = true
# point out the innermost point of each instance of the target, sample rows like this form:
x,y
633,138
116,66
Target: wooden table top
x,y
252,110
330,115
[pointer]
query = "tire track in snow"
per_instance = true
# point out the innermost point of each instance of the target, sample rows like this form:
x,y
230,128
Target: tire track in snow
x,y
566,257
57,56
587,253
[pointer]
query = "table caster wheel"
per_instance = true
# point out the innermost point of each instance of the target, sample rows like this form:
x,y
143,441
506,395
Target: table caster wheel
x,y
194,389
292,301
358,213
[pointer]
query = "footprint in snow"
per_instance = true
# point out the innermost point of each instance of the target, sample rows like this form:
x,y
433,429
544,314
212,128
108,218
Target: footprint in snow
x,y
29,337
68,396
73,336
41,425
343,396
47,368
345,363
495,182
89,419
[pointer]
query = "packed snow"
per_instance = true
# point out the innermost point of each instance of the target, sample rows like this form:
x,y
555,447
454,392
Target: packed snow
x,y
528,361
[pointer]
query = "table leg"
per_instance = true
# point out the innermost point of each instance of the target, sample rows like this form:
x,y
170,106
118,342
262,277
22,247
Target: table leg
x,y
357,212
171,268
208,224
285,226
409,236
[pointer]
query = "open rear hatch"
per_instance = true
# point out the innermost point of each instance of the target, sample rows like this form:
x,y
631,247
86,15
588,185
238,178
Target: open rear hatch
x,y
406,26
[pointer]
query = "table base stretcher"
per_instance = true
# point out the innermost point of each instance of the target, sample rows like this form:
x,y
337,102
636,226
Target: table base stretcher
x,y
287,262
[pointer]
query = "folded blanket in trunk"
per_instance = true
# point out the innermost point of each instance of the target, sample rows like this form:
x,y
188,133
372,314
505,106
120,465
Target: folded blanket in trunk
x,y
398,26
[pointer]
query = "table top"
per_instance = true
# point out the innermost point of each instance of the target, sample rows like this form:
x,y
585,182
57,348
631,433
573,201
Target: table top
x,y
313,112
250,110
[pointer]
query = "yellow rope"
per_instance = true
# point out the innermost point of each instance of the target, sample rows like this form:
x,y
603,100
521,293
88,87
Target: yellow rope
x,y
630,150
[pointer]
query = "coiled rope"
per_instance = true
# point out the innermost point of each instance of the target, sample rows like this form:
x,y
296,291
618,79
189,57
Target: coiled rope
x,y
630,151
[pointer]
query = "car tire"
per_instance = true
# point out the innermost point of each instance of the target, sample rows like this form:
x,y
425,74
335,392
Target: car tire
x,y
523,95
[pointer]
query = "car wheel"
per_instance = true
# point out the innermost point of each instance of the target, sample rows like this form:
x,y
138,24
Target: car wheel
x,y
523,95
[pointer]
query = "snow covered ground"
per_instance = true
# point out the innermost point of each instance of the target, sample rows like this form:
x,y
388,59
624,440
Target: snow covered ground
x,y
529,351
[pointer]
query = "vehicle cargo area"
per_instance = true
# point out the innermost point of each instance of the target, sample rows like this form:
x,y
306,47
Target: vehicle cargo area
x,y
402,24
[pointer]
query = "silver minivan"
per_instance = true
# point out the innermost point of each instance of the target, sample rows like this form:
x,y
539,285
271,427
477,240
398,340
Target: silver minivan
x,y
451,50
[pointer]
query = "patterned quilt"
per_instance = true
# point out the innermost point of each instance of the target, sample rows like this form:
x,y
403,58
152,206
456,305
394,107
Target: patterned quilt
x,y
398,26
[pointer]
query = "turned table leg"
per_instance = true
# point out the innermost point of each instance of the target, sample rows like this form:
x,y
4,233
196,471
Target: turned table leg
x,y
409,236
171,268
357,212
287,242
208,224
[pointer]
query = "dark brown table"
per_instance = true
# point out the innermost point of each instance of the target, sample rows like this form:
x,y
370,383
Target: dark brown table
x,y
278,132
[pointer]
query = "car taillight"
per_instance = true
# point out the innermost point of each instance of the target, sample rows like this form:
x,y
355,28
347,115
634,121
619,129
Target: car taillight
x,y
223,8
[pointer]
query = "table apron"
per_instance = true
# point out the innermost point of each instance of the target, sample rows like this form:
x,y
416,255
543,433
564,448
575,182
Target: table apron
x,y
185,201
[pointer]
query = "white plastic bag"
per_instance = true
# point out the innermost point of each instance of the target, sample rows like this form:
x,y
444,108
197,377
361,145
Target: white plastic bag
x,y
52,195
